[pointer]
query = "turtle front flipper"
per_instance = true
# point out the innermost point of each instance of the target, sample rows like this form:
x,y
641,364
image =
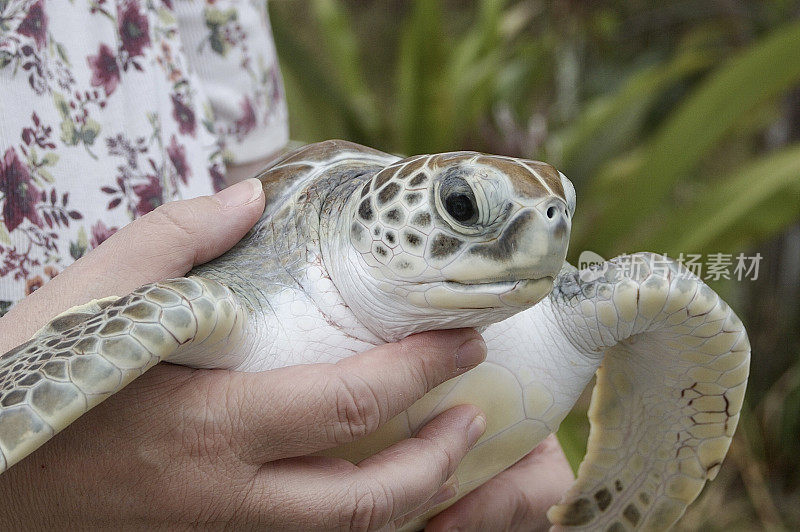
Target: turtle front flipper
x,y
668,393
79,359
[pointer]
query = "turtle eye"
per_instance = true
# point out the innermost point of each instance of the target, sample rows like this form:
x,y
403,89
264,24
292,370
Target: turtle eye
x,y
461,207
458,200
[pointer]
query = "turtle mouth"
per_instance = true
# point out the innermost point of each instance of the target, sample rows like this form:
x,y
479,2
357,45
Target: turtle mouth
x,y
496,294
498,287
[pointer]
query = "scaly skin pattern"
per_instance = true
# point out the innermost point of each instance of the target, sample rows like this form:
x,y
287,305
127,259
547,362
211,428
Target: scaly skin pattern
x,y
668,394
69,367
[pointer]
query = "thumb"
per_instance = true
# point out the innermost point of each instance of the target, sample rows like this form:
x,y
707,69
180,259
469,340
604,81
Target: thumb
x,y
168,241
164,243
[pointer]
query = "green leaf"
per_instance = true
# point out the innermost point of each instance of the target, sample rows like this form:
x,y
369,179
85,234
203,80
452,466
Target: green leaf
x,y
573,435
341,45
759,73
217,17
5,238
611,122
49,159
5,59
69,135
5,306
166,16
62,53
423,115
750,204
475,63
47,176
90,131
61,105
77,249
218,44
312,89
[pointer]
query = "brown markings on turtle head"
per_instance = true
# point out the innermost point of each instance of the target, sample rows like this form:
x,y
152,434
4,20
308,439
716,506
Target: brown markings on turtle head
x,y
525,183
452,158
388,193
383,177
357,231
418,179
412,238
411,168
400,265
398,171
421,219
530,180
502,248
365,211
380,250
394,216
443,246
549,175
412,198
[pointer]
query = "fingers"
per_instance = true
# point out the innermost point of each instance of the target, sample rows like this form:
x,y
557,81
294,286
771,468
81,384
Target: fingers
x,y
430,458
516,499
305,409
162,244
332,494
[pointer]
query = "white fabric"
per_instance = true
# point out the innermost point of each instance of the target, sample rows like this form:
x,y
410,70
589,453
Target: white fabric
x,y
109,108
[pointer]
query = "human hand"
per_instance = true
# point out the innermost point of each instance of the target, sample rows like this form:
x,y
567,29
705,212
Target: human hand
x,y
516,499
183,447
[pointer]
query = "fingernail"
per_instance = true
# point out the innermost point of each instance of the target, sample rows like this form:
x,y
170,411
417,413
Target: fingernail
x,y
476,430
471,353
445,493
239,194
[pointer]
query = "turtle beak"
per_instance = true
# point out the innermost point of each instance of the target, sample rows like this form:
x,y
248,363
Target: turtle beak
x,y
555,217
540,239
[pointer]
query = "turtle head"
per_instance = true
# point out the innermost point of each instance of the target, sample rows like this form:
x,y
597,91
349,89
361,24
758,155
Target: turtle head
x,y
456,239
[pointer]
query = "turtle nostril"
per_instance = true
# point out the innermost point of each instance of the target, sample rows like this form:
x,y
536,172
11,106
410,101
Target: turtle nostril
x,y
551,212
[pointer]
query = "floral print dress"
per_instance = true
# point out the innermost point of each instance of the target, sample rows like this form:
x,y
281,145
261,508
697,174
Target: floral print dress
x,y
109,108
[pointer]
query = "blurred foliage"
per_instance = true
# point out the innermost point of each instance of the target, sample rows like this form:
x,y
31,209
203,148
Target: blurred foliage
x,y
679,124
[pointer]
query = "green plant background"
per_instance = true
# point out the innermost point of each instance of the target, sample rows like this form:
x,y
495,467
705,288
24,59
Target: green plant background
x,y
678,122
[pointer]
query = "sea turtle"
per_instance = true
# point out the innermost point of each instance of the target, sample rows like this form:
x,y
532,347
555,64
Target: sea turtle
x,y
357,247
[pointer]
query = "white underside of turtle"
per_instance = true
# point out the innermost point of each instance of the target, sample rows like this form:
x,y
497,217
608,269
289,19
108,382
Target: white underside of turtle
x,y
357,247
